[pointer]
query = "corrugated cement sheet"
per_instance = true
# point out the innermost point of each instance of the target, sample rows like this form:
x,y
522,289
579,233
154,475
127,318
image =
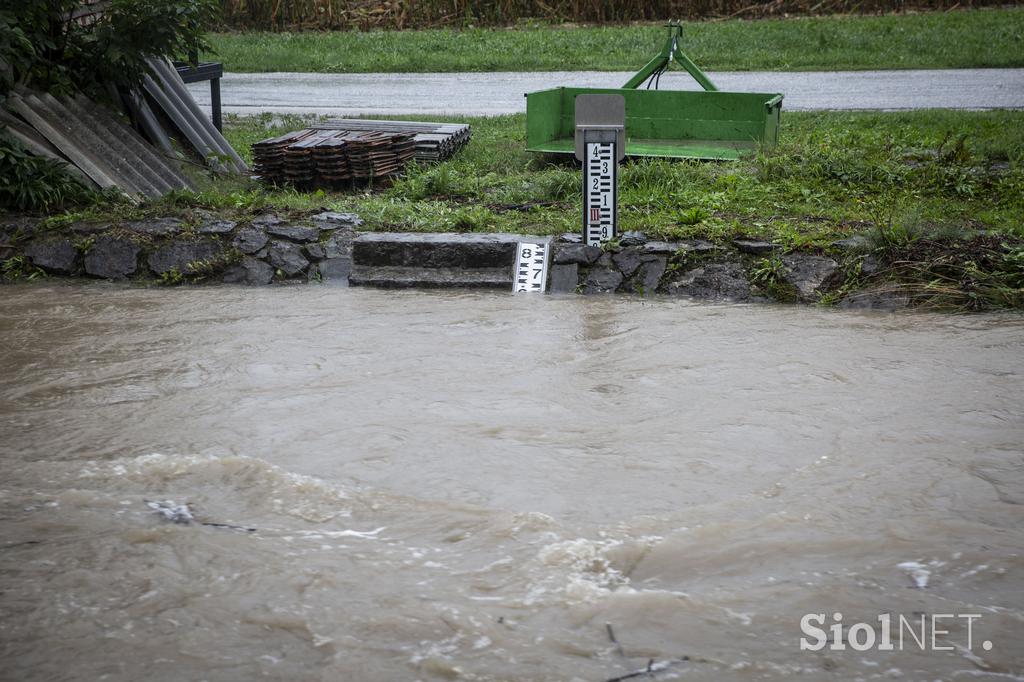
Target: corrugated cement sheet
x,y
107,150
168,92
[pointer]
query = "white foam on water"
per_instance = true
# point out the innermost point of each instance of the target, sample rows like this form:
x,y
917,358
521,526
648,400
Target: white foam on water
x,y
917,571
347,533
235,479
744,618
974,571
583,570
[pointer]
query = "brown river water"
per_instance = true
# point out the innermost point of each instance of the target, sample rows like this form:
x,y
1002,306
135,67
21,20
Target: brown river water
x,y
479,486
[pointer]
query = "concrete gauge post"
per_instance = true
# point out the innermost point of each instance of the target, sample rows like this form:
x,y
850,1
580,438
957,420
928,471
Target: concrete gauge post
x,y
600,145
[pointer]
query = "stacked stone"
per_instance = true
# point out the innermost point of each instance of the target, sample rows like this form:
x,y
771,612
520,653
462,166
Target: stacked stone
x,y
639,265
257,252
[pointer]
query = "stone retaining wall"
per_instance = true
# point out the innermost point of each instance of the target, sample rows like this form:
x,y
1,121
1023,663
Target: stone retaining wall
x,y
742,271
170,251
328,247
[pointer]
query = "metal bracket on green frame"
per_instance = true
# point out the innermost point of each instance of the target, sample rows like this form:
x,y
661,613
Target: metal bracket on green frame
x,y
669,52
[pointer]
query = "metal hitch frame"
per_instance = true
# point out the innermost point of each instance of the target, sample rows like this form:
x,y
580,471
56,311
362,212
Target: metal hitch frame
x,y
695,124
670,52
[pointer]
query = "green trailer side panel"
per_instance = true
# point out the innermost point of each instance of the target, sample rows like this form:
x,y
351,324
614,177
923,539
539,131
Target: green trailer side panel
x,y
672,123
548,125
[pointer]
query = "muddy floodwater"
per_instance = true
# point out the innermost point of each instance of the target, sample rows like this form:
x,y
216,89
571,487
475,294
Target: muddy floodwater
x,y
477,486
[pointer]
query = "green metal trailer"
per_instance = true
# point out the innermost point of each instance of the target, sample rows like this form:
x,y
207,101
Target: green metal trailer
x,y
707,124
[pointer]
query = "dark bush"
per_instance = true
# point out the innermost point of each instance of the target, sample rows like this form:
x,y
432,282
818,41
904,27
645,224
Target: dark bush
x,y
34,183
58,46
63,46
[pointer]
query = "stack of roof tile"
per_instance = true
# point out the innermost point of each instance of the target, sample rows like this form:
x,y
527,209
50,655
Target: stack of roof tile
x,y
374,155
268,155
331,159
327,158
433,141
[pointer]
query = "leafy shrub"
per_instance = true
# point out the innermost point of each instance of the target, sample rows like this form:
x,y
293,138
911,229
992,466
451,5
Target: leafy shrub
x,y
47,52
35,183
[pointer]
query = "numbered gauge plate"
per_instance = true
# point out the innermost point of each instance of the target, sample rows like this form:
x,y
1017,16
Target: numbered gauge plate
x,y
599,192
531,267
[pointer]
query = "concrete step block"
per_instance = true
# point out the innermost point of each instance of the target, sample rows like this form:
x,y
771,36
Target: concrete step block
x,y
402,277
437,250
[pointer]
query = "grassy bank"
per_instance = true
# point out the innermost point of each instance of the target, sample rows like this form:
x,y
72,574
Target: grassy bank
x,y
935,197
834,174
961,39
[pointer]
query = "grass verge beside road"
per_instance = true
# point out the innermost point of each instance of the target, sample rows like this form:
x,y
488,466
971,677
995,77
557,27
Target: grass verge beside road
x,y
936,197
960,39
834,174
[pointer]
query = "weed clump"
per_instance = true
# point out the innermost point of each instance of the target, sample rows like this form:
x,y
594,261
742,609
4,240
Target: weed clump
x,y
34,183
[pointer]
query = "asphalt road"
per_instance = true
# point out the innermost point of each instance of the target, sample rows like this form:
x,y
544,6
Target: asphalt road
x,y
486,94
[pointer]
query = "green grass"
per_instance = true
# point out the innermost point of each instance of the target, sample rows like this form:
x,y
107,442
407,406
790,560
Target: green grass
x,y
962,39
833,175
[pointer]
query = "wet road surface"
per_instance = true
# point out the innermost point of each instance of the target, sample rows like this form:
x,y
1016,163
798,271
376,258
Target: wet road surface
x,y
489,94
